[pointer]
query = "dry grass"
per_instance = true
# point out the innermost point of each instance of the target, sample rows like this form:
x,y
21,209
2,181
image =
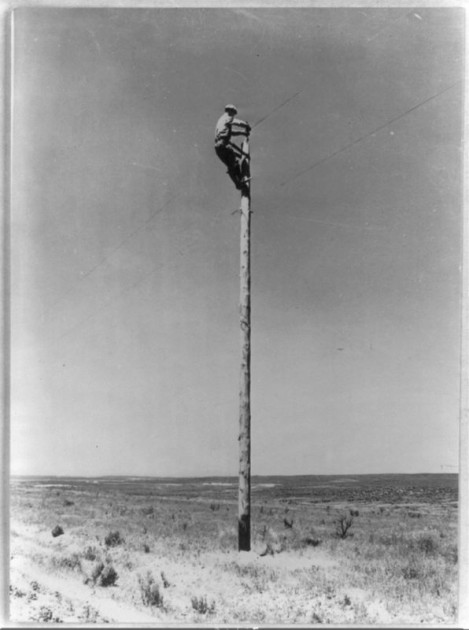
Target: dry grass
x,y
148,552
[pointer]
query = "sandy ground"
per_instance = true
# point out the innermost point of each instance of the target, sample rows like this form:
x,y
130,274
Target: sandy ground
x,y
40,595
176,561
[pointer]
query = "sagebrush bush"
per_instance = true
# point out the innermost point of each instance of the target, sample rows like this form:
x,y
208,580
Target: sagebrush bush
x,y
108,576
451,553
45,615
311,541
201,605
427,544
89,614
411,571
104,574
91,553
57,531
113,539
343,524
150,591
71,563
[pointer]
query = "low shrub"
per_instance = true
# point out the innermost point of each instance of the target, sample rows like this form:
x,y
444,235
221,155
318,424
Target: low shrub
x,y
343,524
451,553
427,544
45,614
150,591
108,576
89,614
91,553
410,573
104,574
17,592
71,563
57,531
201,605
114,539
148,511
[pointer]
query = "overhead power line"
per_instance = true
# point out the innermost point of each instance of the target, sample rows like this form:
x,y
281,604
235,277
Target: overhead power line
x,y
140,227
128,237
115,249
257,123
114,298
294,177
370,133
386,26
109,302
290,98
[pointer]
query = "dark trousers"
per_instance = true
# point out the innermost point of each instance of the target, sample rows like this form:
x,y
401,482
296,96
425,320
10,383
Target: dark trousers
x,y
228,156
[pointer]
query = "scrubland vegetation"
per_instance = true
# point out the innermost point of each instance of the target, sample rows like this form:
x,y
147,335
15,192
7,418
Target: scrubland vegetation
x,y
325,550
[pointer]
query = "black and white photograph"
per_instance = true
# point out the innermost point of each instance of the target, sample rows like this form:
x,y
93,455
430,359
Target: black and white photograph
x,y
235,302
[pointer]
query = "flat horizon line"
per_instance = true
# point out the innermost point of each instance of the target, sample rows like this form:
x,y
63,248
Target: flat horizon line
x,y
122,476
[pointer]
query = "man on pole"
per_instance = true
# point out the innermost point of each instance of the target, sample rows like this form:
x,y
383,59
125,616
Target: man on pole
x,y
229,153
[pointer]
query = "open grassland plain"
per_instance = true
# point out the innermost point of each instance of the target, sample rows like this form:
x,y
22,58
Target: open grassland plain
x,y
366,549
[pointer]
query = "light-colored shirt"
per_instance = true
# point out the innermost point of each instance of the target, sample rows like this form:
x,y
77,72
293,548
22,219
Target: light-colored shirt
x,y
223,128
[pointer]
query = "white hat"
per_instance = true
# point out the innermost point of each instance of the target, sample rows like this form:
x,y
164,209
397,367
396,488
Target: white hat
x,y
231,108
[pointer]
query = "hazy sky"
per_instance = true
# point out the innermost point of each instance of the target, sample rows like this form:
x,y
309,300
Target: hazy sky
x,y
125,251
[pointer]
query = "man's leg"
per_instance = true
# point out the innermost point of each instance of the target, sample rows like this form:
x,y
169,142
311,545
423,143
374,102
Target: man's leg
x,y
234,170
229,158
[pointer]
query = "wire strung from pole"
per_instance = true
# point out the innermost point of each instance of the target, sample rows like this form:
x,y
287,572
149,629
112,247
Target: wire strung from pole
x,y
261,120
370,133
128,237
386,26
108,303
111,301
290,98
106,258
321,161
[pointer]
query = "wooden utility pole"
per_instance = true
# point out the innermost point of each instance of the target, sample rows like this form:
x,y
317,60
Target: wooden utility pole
x,y
244,499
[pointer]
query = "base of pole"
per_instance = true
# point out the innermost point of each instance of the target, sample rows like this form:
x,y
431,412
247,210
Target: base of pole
x,y
244,533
